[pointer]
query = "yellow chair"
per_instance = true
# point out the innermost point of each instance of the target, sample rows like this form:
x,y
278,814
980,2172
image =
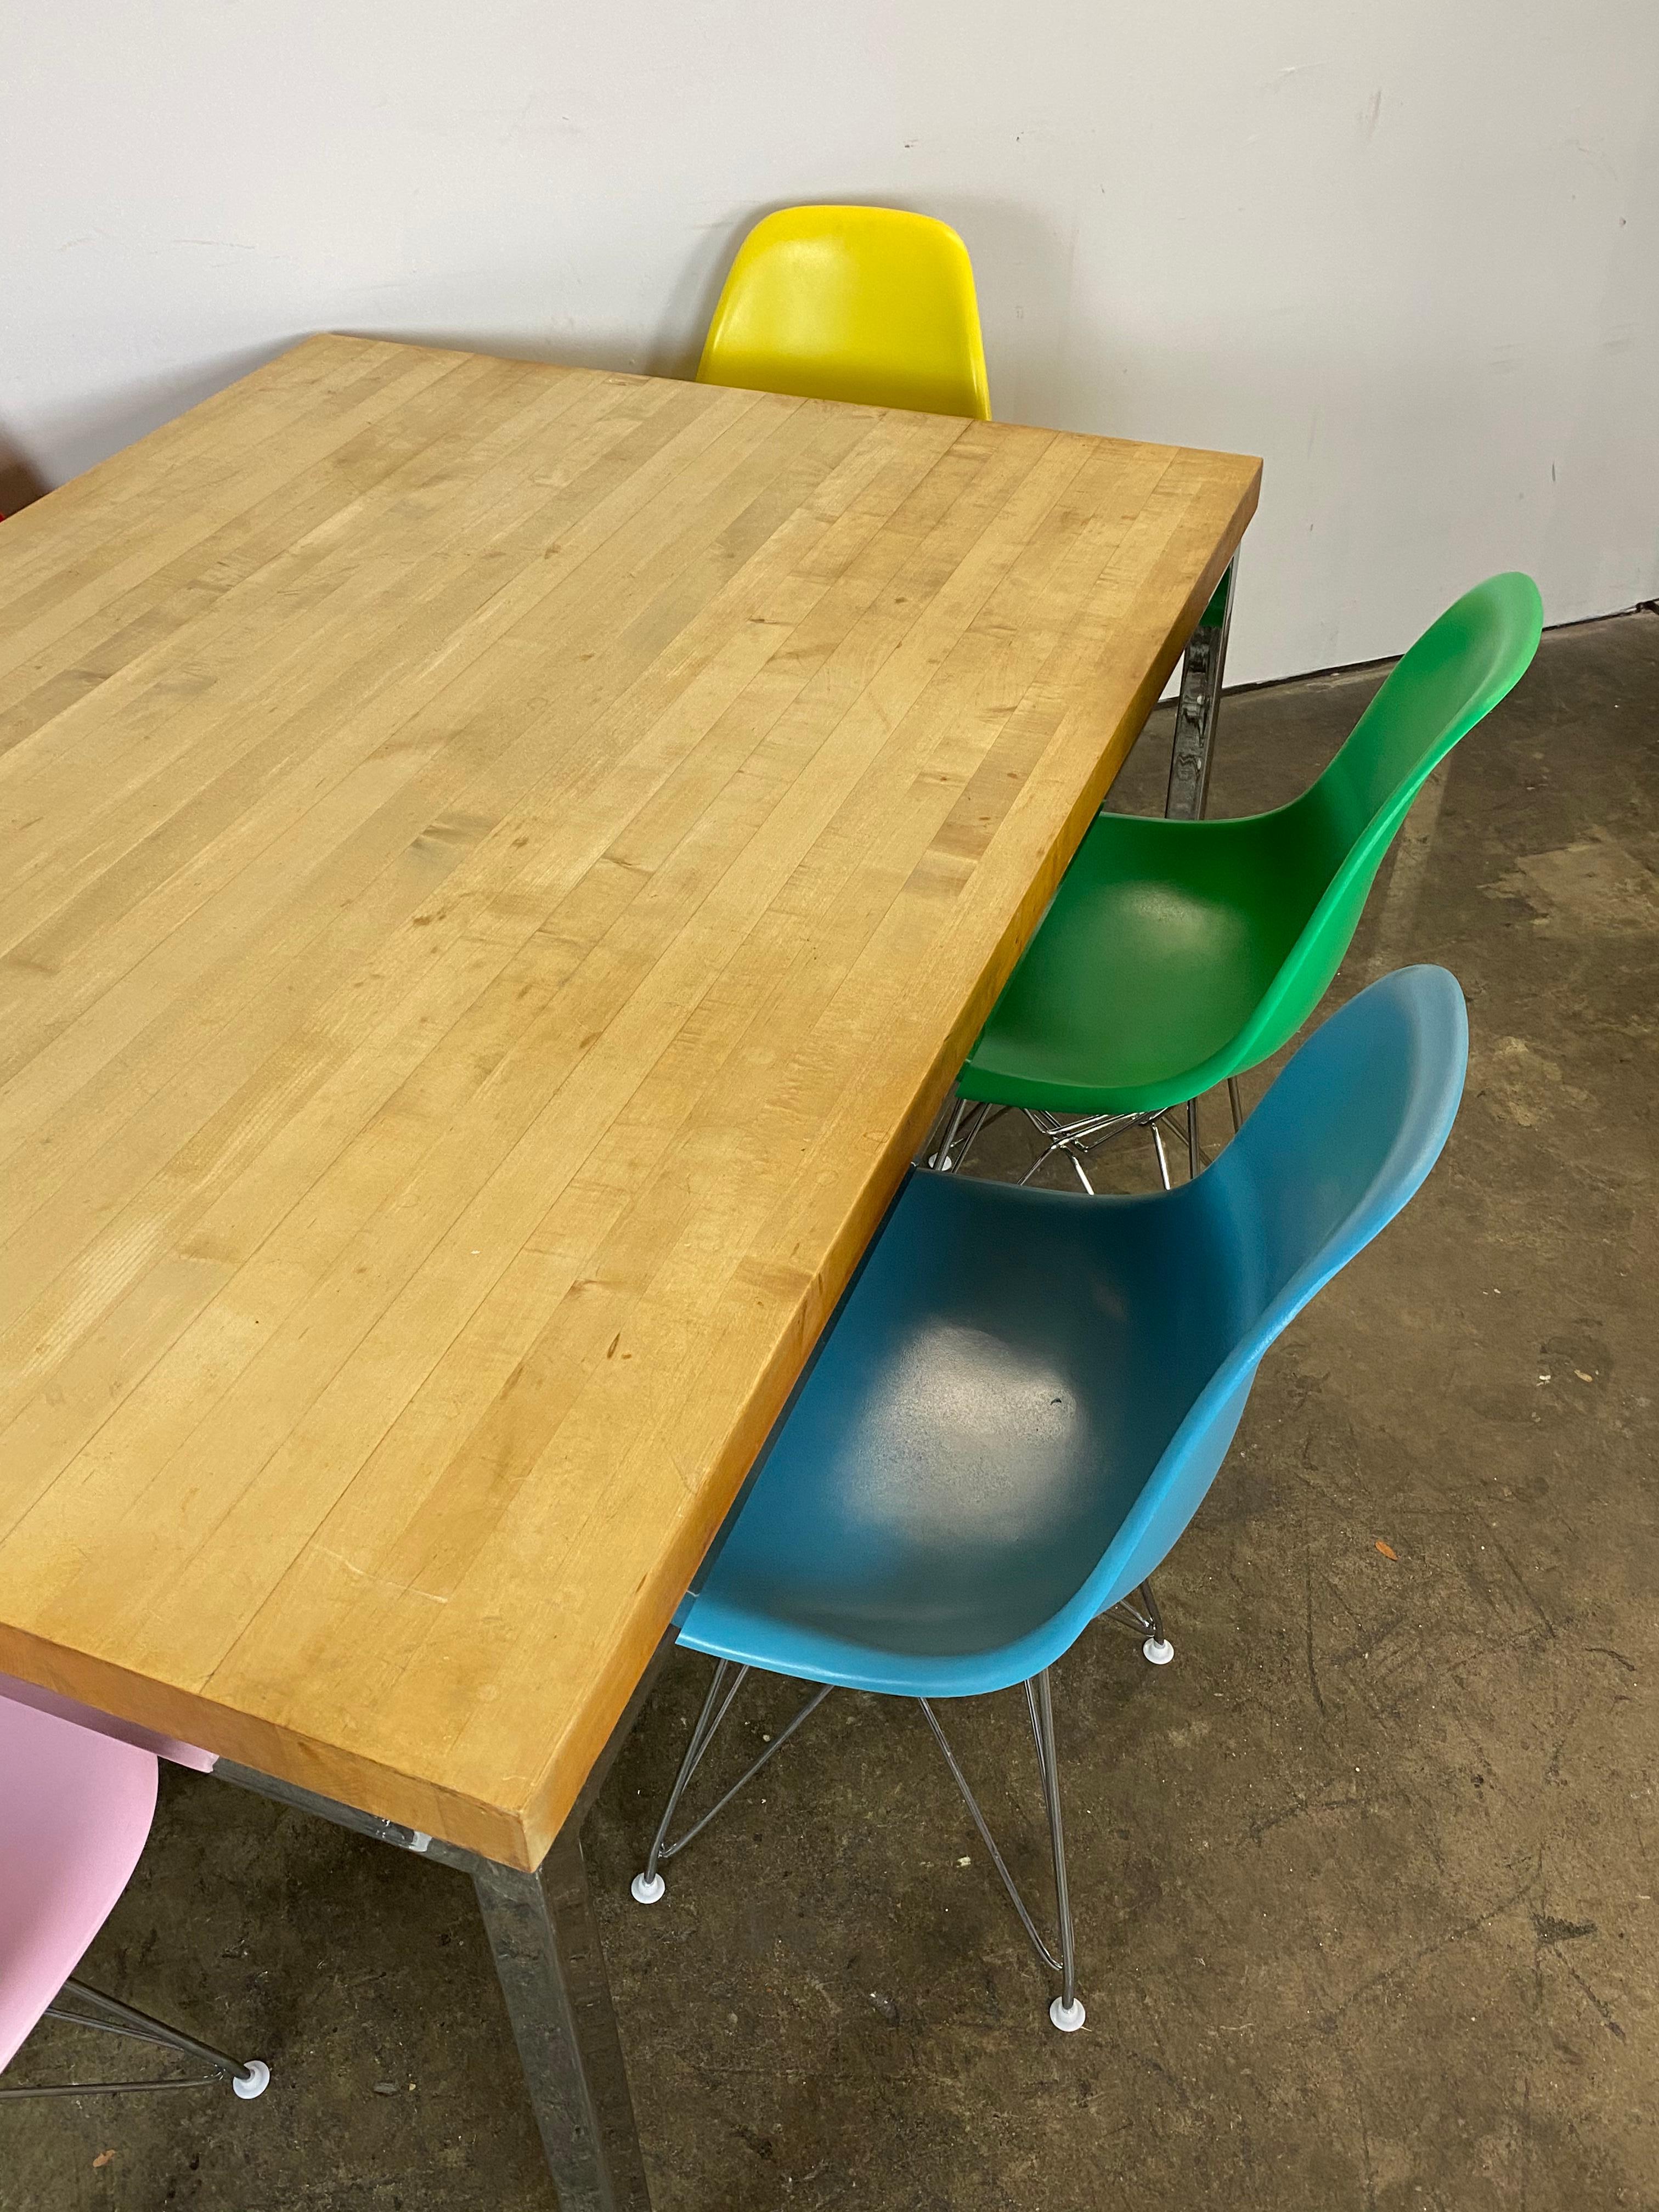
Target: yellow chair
x,y
866,304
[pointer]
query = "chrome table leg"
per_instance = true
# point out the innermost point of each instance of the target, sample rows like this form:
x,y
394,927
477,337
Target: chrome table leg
x,y
1199,704
546,1946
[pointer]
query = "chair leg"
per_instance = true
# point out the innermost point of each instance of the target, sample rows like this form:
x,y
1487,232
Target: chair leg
x,y
940,1158
965,1121
1065,1145
1194,1158
987,1838
1079,1137
1158,1647
1233,1101
247,2077
970,1136
1066,2010
648,1888
1163,1157
1145,1622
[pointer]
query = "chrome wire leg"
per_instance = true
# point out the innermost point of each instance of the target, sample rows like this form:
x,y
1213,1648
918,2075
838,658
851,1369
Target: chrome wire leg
x,y
1081,1137
1154,1618
1038,1165
1163,1157
982,1121
1233,1101
1194,1158
1070,1151
1156,1648
970,1117
1066,2011
247,2077
1145,1621
648,1888
940,1158
988,1839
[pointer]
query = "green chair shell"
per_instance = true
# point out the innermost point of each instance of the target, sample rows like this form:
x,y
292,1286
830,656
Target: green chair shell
x,y
1177,954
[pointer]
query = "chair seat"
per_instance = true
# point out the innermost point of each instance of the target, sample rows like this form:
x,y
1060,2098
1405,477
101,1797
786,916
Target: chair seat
x,y
1160,945
988,1405
76,1810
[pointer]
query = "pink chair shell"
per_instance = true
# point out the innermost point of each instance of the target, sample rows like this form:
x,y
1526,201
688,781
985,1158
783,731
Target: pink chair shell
x,y
75,1809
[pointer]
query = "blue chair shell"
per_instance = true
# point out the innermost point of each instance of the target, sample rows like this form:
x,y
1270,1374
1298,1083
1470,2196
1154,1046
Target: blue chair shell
x,y
1025,1395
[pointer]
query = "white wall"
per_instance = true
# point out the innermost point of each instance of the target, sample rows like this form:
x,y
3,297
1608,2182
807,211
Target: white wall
x,y
1406,252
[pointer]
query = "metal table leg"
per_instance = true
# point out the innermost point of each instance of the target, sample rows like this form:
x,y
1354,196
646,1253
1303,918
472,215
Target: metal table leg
x,y
1199,704
545,1942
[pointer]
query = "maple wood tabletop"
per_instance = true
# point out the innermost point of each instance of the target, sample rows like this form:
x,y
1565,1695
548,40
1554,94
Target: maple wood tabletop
x,y
503,863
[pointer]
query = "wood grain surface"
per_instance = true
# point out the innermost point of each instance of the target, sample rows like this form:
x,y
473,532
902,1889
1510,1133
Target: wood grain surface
x,y
501,864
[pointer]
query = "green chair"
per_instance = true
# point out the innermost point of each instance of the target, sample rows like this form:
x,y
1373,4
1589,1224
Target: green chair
x,y
1177,954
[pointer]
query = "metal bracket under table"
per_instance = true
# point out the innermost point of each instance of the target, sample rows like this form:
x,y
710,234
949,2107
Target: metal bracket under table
x,y
545,1942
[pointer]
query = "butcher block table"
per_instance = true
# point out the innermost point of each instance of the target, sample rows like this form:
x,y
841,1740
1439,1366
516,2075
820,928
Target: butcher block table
x,y
503,863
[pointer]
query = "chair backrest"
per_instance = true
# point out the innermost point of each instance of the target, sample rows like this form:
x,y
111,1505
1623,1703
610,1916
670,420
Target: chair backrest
x,y
1338,831
1341,1141
866,304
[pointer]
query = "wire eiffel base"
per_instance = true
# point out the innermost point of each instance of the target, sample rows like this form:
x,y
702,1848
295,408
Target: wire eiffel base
x,y
1067,2011
1076,1137
247,2077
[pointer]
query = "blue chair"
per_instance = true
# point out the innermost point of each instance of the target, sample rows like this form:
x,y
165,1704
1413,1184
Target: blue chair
x,y
1025,1395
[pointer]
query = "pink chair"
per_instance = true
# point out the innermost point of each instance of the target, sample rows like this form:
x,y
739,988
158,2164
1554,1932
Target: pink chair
x,y
75,1808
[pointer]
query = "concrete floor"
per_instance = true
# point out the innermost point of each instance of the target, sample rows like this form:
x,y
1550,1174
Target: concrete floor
x,y
1365,1880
